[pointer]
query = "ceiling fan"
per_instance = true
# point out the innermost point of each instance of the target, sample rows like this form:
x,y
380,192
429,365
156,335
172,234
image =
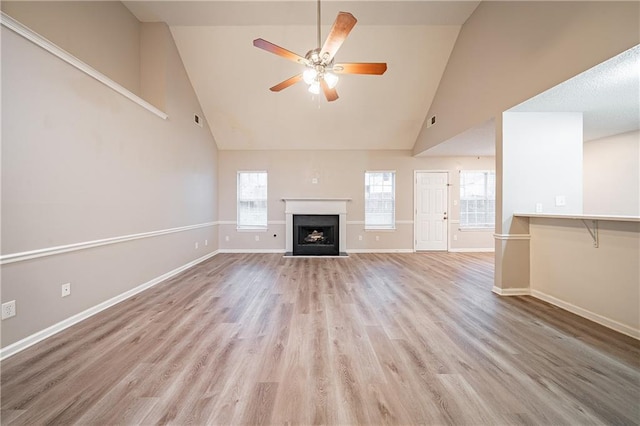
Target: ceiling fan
x,y
320,72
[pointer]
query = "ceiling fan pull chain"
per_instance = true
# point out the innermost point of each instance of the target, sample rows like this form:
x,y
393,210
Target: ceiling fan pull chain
x,y
318,22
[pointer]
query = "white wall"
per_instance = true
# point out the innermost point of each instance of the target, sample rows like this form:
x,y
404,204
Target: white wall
x,y
612,175
542,159
602,284
81,162
340,174
103,34
539,156
510,51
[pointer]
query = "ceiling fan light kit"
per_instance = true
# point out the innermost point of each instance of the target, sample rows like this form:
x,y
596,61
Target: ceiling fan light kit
x,y
320,72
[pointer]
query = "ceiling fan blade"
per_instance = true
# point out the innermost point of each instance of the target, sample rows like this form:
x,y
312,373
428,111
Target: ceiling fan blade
x,y
280,51
288,82
374,68
330,94
342,26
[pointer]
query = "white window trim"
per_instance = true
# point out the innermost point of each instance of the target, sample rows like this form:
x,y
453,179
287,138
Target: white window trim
x,y
382,228
251,228
474,228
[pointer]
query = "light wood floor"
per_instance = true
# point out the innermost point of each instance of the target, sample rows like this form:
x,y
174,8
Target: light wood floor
x,y
370,339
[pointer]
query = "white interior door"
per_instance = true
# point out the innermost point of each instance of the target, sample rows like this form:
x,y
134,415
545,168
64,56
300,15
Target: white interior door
x,y
431,198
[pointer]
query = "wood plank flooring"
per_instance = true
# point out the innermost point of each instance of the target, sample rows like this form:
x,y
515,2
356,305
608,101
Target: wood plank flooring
x,y
369,339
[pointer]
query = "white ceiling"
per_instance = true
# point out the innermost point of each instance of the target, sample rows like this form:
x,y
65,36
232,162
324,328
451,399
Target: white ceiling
x,y
232,78
608,95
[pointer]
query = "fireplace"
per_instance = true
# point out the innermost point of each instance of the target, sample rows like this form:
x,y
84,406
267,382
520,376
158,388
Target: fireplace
x,y
313,208
316,235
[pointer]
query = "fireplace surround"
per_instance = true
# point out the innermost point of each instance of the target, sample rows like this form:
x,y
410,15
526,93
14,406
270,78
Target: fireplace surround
x,y
316,208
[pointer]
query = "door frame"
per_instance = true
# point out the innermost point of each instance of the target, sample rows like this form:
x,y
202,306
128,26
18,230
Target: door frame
x,y
415,205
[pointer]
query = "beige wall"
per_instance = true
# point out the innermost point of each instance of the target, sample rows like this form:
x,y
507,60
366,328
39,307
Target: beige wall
x,y
340,174
612,175
103,34
80,162
600,283
508,52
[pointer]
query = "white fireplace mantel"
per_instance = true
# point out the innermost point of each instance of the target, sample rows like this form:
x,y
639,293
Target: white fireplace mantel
x,y
316,206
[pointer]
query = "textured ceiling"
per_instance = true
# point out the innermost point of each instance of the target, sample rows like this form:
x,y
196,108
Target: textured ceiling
x,y
608,95
232,78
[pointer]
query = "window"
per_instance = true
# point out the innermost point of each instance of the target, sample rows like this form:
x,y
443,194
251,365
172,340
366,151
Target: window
x,y
477,199
252,200
379,200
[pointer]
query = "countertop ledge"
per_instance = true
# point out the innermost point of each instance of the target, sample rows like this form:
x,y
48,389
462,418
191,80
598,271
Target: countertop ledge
x,y
613,218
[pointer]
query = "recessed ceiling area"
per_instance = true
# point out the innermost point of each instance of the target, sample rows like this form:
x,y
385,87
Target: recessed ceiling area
x,y
232,78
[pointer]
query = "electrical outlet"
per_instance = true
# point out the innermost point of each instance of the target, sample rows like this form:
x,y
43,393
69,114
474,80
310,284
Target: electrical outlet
x,y
66,289
455,237
9,309
538,207
359,237
377,237
196,245
226,238
561,200
257,237
206,242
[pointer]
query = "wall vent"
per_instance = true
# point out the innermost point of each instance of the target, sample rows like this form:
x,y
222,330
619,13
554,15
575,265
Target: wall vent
x,y
197,119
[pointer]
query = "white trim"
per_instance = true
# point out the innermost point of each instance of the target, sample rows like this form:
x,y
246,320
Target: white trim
x,y
251,251
592,316
314,199
380,251
512,236
511,291
473,250
270,222
614,218
39,336
397,222
55,50
491,229
50,251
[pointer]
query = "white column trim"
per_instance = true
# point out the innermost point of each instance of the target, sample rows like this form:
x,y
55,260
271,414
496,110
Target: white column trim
x,y
511,291
512,236
55,50
50,251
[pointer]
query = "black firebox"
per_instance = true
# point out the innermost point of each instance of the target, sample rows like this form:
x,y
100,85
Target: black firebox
x,y
316,235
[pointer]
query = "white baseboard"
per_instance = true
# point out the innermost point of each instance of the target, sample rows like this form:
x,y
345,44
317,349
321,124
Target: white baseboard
x,y
23,344
607,322
511,291
380,251
472,250
251,251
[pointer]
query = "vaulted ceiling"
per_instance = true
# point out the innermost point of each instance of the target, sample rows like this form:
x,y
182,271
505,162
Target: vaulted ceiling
x,y
232,78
